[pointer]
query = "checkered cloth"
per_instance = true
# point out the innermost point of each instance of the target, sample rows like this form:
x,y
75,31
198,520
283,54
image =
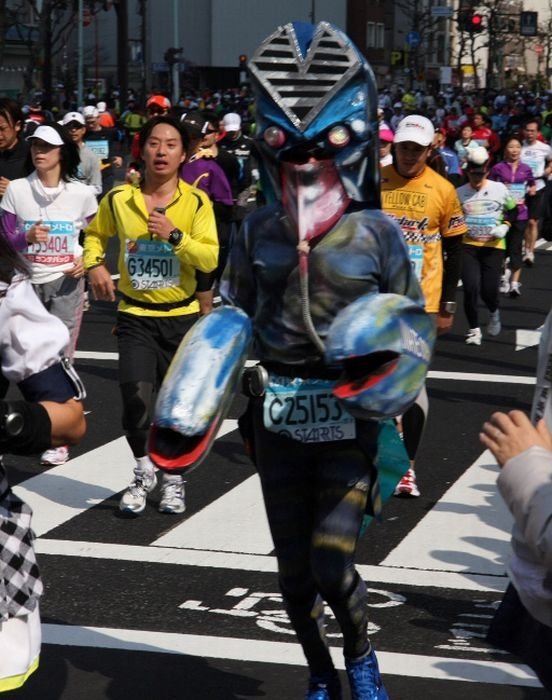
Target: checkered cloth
x,y
20,584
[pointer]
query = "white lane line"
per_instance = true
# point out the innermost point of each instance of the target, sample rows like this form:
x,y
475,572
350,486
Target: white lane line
x,y
467,530
63,492
91,355
258,651
242,561
523,340
234,522
478,377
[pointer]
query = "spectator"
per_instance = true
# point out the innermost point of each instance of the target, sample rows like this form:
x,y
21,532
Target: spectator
x,y
159,256
523,449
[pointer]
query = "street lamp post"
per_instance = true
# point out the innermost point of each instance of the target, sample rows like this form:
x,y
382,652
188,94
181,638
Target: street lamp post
x,y
176,64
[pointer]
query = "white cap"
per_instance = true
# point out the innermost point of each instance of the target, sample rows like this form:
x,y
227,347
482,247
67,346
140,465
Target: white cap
x,y
72,117
415,128
477,155
90,111
231,122
47,134
102,106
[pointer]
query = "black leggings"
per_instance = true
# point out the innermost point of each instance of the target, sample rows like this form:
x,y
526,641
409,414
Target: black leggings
x,y
481,271
146,347
315,497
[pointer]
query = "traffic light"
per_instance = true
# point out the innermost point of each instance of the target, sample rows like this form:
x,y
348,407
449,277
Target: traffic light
x,y
243,61
476,22
469,21
170,56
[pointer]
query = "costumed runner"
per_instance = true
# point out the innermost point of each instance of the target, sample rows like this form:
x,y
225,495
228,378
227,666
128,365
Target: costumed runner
x,y
49,414
321,279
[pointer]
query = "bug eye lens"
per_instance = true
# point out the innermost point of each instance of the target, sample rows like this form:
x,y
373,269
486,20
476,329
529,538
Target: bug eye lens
x,y
274,137
339,136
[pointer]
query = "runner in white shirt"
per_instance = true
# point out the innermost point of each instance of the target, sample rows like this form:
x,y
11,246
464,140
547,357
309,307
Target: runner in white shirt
x,y
42,215
538,156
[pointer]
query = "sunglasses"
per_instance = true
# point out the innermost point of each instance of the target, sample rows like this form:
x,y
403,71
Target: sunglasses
x,y
74,126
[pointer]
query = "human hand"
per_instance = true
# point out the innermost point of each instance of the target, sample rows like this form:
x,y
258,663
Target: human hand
x,y
38,233
500,231
77,271
4,182
103,287
507,435
159,225
443,322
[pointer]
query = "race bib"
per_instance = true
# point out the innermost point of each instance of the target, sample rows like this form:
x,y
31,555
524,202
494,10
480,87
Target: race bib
x,y
416,255
151,264
517,191
58,249
306,410
99,147
480,227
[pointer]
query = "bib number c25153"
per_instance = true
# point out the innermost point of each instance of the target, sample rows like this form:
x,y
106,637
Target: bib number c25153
x,y
306,410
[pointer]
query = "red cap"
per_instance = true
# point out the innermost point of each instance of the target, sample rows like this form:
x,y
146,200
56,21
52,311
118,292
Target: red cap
x,y
159,101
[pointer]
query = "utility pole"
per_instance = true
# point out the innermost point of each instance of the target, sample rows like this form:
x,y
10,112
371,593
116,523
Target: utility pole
x,y
121,8
176,64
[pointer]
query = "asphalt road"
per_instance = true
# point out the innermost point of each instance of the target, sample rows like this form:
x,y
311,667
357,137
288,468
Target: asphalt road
x,y
187,607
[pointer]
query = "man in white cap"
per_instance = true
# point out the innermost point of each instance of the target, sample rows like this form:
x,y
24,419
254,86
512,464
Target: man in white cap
x,y
105,144
427,209
89,167
240,146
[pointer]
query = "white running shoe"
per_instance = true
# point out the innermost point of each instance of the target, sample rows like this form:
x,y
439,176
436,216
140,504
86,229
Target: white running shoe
x,y
473,336
493,324
172,494
515,290
407,486
55,456
133,500
529,259
505,281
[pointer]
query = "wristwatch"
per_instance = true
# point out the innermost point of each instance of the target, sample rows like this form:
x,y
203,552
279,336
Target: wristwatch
x,y
448,307
175,236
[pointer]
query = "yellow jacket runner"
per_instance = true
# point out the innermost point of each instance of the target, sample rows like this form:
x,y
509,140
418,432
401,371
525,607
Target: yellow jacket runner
x,y
152,271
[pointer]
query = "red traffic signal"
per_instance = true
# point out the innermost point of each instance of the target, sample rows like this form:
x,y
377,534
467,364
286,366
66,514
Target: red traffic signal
x,y
469,21
476,22
243,60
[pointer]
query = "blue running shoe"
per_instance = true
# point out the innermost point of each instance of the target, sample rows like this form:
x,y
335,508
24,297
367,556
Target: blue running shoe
x,y
324,687
365,679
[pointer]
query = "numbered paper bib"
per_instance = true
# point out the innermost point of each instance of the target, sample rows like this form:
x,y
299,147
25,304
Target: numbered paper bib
x,y
517,190
151,264
480,227
58,249
100,148
306,410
